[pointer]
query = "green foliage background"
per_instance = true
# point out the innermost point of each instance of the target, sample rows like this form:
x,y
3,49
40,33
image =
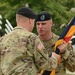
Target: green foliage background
x,y
60,10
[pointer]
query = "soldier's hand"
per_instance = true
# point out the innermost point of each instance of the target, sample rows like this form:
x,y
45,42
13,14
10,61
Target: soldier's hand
x,y
62,47
39,74
55,55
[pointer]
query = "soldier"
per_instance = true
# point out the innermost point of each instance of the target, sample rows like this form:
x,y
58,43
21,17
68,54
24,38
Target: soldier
x,y
22,51
44,28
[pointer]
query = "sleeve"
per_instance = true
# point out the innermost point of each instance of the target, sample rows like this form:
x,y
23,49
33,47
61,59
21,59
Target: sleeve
x,y
43,62
0,71
69,58
0,63
0,60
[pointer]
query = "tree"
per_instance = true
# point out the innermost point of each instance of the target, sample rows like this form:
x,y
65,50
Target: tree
x,y
59,10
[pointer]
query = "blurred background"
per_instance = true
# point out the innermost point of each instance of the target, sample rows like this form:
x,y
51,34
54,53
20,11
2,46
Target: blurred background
x,y
62,11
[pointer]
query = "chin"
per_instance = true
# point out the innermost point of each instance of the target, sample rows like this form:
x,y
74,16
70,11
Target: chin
x,y
41,34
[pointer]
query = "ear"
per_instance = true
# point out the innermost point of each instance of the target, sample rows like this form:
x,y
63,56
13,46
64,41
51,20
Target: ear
x,y
30,20
51,23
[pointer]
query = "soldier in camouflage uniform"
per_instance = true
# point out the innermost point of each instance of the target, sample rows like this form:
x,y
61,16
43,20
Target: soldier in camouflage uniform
x,y
48,38
22,51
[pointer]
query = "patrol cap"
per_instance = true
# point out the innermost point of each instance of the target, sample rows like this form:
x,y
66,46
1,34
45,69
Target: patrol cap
x,y
43,16
27,12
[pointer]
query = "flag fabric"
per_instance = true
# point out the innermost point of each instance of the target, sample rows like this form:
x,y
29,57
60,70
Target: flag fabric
x,y
66,35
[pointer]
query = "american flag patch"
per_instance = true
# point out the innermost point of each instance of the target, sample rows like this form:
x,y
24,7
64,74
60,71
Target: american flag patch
x,y
40,46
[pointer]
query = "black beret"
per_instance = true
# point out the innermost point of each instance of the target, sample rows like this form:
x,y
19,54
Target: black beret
x,y
43,16
27,12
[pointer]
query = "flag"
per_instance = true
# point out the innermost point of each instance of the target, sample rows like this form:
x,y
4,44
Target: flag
x,y
67,34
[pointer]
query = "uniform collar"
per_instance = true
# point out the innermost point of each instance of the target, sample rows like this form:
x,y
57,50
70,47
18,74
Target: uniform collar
x,y
19,27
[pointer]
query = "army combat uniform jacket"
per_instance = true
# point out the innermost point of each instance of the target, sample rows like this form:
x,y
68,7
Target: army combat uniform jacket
x,y
22,54
68,58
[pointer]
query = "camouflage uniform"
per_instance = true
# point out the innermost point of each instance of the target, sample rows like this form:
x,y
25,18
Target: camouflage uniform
x,y
22,54
0,67
68,57
0,60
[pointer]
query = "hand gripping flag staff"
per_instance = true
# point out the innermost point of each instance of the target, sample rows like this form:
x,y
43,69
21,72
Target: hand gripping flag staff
x,y
66,35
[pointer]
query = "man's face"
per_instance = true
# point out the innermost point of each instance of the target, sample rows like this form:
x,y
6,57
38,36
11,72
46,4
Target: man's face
x,y
43,27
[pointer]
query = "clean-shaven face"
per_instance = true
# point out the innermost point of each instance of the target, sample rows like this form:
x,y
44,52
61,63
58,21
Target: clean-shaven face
x,y
43,27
